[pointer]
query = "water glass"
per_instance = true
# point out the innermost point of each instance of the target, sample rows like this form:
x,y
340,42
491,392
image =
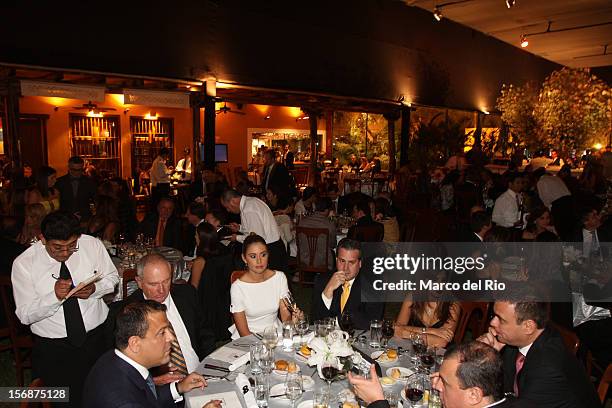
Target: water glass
x,y
256,351
288,336
320,328
392,398
293,387
375,333
301,328
434,399
321,399
270,337
267,360
261,390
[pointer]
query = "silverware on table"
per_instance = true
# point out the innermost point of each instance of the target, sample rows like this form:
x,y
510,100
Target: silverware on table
x,y
214,367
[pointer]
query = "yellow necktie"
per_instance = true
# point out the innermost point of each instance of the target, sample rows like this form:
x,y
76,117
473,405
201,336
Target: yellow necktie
x,y
346,291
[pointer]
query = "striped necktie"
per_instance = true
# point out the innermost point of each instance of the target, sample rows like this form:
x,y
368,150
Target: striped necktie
x,y
177,359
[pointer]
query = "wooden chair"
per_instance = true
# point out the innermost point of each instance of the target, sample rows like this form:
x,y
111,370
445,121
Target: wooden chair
x,y
367,233
36,383
129,275
604,384
473,315
570,339
236,275
309,238
20,342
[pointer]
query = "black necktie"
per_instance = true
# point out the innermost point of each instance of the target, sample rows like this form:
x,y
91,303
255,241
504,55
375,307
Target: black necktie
x,y
75,328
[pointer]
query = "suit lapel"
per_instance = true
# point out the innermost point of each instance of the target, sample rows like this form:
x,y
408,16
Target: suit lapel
x,y
139,382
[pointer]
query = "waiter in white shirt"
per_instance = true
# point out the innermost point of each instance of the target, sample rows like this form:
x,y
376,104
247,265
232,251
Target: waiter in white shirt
x,y
160,177
508,210
184,166
68,335
556,196
256,217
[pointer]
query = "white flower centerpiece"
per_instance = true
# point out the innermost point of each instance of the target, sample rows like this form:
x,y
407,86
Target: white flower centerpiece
x,y
332,349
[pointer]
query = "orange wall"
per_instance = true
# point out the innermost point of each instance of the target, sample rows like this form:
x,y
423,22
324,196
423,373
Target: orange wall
x,y
58,144
233,129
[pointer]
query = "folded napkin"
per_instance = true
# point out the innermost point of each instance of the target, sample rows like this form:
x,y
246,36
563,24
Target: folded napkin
x,y
242,382
240,361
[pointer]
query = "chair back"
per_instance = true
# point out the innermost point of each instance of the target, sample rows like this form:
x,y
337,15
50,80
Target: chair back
x,y
473,315
20,339
36,383
604,384
129,275
570,339
368,233
311,240
236,275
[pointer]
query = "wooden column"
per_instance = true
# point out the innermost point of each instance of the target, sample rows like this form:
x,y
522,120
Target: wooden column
x,y
329,134
405,135
209,132
313,117
196,103
11,135
391,118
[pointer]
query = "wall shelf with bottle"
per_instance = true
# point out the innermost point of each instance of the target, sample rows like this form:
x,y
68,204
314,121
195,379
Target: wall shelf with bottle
x,y
148,136
98,140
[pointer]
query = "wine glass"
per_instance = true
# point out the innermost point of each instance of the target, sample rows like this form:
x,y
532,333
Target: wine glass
x,y
267,360
293,387
301,328
330,372
388,330
346,323
427,359
415,389
289,302
261,390
270,337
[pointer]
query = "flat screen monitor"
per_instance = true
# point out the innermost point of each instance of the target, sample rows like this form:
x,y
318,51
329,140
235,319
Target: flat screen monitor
x,y
221,153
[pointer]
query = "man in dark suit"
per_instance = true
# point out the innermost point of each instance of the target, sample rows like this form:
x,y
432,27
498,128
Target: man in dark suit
x,y
10,227
365,229
275,173
341,292
288,157
154,277
76,190
121,378
537,365
163,226
480,225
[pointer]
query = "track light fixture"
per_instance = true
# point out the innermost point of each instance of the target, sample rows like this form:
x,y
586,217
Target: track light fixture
x,y
510,3
437,13
524,41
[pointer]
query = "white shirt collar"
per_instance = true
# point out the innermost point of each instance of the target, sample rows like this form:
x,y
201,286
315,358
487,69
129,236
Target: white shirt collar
x,y
525,350
142,370
479,237
495,403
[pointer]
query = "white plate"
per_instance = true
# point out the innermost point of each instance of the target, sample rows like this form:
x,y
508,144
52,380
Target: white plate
x,y
283,373
388,385
376,355
278,389
405,373
306,404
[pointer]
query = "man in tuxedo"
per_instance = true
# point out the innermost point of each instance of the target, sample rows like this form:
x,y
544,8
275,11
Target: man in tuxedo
x,y
341,292
154,279
76,190
537,365
195,216
163,226
121,378
275,173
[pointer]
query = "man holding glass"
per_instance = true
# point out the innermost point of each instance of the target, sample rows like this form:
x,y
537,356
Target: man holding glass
x,y
68,337
340,293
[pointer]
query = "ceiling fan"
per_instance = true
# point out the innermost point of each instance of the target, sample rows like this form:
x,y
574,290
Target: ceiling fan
x,y
226,109
92,107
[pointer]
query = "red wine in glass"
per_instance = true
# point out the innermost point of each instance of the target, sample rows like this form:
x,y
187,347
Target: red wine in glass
x,y
427,360
330,372
346,323
387,330
414,394
419,348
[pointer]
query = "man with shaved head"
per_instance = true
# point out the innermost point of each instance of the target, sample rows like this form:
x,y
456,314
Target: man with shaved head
x,y
154,279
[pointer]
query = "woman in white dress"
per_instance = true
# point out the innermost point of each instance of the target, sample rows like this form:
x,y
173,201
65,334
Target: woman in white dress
x,y
257,295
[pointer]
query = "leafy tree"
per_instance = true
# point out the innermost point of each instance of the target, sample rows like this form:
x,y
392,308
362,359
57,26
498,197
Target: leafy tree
x,y
517,104
573,109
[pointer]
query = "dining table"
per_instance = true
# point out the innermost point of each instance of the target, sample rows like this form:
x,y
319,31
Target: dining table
x,y
222,381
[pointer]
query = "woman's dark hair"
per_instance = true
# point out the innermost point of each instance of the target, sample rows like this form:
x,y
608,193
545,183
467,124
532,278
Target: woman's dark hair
x,y
442,311
209,241
250,240
60,225
535,214
42,180
220,214
106,208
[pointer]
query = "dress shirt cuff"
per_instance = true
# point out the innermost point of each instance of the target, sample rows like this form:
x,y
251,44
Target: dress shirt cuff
x,y
326,301
174,391
241,238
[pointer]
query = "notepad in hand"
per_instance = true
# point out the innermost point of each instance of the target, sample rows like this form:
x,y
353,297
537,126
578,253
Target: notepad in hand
x,y
93,278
